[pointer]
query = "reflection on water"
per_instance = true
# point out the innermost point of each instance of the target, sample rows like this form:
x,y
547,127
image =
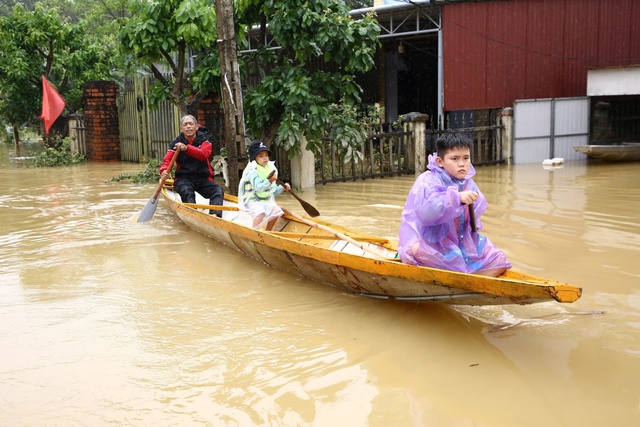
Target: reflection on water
x,y
107,321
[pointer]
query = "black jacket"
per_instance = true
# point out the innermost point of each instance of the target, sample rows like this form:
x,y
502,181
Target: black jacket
x,y
189,165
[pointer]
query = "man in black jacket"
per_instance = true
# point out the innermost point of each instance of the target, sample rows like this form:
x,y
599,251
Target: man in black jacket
x,y
194,171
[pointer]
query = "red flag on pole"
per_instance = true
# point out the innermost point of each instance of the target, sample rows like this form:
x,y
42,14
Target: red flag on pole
x,y
52,104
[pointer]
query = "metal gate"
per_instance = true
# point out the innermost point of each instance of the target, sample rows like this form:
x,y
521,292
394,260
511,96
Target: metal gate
x,y
483,127
77,133
145,133
383,154
549,128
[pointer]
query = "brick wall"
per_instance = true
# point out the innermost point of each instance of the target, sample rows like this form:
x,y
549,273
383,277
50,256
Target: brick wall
x,y
211,115
101,121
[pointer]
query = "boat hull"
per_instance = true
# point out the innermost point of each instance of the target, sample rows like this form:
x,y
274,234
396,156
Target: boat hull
x,y
627,152
371,269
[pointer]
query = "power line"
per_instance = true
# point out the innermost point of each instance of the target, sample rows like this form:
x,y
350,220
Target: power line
x,y
532,51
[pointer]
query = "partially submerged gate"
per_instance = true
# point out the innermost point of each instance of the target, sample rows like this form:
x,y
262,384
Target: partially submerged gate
x,y
145,133
548,128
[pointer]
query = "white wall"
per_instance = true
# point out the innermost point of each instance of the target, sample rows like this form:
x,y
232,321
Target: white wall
x,y
613,81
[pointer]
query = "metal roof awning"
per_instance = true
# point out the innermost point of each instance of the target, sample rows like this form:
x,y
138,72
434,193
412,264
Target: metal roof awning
x,y
406,19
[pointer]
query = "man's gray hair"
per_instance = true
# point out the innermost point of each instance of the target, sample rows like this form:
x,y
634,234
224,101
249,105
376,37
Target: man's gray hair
x,y
188,116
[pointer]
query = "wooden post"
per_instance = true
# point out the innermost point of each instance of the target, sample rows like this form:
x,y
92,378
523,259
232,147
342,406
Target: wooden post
x,y
16,138
234,129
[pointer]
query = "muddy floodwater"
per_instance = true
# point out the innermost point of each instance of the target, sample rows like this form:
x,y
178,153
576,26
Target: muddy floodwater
x,y
104,321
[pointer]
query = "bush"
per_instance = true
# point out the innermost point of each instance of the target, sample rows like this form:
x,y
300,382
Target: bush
x,y
148,175
60,156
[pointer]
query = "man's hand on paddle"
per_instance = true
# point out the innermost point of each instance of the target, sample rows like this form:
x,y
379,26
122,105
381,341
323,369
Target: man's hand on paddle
x,y
166,174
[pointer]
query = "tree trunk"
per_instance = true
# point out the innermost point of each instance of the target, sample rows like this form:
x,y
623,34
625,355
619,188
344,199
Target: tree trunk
x,y
234,129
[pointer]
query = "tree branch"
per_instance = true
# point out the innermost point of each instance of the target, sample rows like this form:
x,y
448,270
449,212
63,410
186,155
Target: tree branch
x,y
167,57
63,85
179,71
158,75
192,107
49,63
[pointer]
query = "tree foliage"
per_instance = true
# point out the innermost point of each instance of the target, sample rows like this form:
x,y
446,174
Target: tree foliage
x,y
320,49
358,4
41,42
7,5
160,36
103,18
60,156
148,175
293,98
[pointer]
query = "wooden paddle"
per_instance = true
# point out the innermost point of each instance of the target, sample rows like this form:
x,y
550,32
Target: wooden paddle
x,y
152,204
472,218
313,212
211,207
336,233
293,235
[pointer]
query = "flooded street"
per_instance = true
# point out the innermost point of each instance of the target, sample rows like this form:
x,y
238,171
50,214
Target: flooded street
x,y
108,322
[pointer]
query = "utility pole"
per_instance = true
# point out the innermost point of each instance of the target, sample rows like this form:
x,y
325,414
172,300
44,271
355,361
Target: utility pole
x,y
234,129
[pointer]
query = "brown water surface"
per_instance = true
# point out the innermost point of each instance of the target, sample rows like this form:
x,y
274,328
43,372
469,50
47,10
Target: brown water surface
x,y
105,321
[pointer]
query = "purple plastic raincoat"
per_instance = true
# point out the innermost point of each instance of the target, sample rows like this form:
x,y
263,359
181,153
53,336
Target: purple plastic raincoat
x,y
435,230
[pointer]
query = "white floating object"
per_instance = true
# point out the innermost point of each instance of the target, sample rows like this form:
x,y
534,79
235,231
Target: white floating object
x,y
553,162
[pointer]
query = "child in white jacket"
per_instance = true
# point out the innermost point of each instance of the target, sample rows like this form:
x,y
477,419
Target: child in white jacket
x,y
258,188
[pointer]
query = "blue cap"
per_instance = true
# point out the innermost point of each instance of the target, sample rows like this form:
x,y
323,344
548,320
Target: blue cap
x,y
256,148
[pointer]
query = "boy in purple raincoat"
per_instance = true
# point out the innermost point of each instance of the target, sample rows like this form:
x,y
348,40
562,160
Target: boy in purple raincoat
x,y
435,229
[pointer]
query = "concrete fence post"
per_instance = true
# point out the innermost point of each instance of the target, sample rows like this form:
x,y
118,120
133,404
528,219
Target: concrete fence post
x,y
417,125
507,134
303,173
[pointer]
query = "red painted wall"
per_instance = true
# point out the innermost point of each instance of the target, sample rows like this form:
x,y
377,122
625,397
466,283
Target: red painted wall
x,y
499,51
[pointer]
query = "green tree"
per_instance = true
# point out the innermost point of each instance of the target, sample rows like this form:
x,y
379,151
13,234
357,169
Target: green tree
x,y
358,4
103,17
293,98
162,37
7,5
40,42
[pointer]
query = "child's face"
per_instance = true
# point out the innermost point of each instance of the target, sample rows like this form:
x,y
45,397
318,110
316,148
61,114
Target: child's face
x,y
456,162
262,158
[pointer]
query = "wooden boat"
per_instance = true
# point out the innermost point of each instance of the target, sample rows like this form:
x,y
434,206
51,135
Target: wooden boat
x,y
360,263
625,152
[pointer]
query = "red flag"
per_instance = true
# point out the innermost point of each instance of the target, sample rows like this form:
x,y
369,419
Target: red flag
x,y
52,104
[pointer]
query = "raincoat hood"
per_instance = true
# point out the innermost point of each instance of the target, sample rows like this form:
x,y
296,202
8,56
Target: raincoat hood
x,y
444,175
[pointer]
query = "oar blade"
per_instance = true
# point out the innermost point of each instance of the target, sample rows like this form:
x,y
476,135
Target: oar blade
x,y
148,211
313,212
308,207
